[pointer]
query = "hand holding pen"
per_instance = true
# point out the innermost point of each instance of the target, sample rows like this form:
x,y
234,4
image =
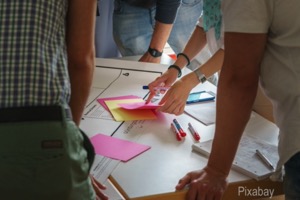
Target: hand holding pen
x,y
165,80
158,90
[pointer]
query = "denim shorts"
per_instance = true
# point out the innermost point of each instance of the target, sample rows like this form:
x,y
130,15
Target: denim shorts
x,y
43,160
292,178
133,26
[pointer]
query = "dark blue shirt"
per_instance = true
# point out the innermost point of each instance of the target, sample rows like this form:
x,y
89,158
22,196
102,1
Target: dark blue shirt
x,y
166,10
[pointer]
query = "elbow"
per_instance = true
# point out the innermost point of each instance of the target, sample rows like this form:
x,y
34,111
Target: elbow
x,y
242,80
81,60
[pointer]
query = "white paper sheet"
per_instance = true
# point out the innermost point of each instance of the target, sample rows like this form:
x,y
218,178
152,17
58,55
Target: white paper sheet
x,y
101,170
205,112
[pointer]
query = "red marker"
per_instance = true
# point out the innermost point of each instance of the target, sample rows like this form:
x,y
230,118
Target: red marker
x,y
194,132
178,137
180,130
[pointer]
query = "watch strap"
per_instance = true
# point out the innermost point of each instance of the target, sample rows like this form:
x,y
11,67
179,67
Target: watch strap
x,y
154,52
201,77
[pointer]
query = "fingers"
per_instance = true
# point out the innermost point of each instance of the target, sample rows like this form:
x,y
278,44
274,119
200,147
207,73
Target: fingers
x,y
96,183
203,185
101,195
98,187
203,191
158,82
172,109
151,95
183,182
197,191
171,104
165,80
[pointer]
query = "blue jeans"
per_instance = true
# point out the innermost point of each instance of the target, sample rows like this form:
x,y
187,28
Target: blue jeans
x,y
104,43
133,26
292,178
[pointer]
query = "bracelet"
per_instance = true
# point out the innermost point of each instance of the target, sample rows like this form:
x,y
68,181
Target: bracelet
x,y
177,68
186,57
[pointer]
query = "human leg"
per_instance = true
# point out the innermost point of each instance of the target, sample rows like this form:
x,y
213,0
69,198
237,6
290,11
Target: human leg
x,y
292,178
132,28
185,23
104,43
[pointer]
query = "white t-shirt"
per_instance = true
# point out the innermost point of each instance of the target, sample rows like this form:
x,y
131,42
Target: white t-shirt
x,y
212,43
280,67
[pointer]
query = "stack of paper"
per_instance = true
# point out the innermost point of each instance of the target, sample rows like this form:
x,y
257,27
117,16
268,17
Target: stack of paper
x,y
126,108
246,160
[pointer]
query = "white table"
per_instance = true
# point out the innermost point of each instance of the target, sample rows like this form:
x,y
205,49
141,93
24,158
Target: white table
x,y
154,174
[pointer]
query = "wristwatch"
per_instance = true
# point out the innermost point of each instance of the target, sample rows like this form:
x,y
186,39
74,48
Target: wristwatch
x,y
201,77
155,53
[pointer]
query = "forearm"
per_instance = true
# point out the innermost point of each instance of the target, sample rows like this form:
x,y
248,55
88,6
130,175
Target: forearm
x,y
81,75
237,89
195,44
234,104
159,39
214,64
81,52
160,35
165,15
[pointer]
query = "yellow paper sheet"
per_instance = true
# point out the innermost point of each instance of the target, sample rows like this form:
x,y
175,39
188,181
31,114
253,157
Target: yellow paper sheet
x,y
121,114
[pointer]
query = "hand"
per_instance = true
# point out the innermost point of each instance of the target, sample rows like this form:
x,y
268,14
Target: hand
x,y
98,187
165,80
205,184
148,58
174,100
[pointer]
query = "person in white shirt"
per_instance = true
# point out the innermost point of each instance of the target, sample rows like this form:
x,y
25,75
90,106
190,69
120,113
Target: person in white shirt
x,y
175,99
262,41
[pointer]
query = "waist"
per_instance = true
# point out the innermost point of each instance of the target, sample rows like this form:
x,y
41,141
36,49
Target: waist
x,y
34,113
142,3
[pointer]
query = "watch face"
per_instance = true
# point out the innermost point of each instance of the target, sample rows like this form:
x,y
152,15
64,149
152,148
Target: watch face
x,y
200,76
154,52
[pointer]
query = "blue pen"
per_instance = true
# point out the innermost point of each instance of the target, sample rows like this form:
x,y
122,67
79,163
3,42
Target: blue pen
x,y
182,133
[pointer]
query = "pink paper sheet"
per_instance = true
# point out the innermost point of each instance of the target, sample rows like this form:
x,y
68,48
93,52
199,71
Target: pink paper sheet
x,y
139,105
117,148
102,100
121,114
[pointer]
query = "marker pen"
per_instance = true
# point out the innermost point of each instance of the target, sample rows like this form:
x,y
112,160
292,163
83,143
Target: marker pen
x,y
194,132
182,133
174,129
